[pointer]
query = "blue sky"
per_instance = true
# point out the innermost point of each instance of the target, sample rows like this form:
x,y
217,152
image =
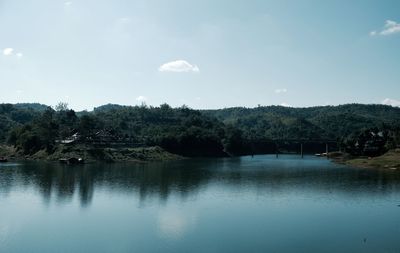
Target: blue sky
x,y
204,54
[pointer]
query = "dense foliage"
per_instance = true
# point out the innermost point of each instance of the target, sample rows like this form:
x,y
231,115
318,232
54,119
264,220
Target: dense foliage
x,y
361,129
181,130
12,116
313,123
344,125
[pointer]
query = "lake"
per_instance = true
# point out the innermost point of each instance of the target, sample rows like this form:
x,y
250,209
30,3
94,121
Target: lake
x,y
245,204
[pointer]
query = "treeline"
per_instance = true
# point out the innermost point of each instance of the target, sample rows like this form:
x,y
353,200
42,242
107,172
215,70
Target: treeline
x,y
356,128
321,122
12,116
179,130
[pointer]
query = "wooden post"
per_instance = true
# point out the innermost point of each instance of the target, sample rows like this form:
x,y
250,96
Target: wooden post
x,y
326,150
301,150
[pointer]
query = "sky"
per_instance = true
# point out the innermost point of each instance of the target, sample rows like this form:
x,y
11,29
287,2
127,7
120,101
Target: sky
x,y
203,54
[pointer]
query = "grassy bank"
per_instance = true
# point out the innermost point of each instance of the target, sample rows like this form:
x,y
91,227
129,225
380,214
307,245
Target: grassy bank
x,y
92,154
390,160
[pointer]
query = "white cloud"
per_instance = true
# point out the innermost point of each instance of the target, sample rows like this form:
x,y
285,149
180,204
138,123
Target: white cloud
x,y
391,27
68,3
178,66
278,91
8,51
285,104
392,102
141,99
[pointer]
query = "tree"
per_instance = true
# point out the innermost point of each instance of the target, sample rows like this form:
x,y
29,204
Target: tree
x,y
61,106
233,140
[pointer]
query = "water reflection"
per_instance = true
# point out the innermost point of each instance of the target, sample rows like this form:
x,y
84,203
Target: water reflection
x,y
174,223
183,179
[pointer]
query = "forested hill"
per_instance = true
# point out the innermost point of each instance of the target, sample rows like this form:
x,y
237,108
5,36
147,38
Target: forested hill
x,y
15,115
34,127
321,122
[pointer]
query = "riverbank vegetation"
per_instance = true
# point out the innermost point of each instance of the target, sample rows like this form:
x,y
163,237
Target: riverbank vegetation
x,y
34,130
389,160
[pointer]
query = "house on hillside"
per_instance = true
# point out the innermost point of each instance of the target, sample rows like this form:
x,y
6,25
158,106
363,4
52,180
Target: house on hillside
x,y
69,140
369,143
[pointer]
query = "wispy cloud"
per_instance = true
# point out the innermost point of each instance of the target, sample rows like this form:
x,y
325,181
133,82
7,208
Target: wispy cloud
x,y
8,51
278,91
390,27
392,102
141,99
19,55
178,66
68,3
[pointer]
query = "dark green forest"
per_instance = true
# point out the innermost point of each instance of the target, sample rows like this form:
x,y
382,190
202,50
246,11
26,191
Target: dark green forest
x,y
354,128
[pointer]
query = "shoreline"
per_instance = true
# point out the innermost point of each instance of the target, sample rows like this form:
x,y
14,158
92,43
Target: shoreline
x,y
92,154
390,160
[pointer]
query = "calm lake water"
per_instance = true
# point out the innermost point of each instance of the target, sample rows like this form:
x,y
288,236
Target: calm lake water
x,y
259,204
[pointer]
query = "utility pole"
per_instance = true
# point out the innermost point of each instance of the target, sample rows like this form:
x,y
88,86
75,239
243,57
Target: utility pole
x,y
326,150
301,150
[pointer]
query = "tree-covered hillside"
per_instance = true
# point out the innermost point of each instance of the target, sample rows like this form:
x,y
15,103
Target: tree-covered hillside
x,y
179,130
191,132
12,116
322,122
